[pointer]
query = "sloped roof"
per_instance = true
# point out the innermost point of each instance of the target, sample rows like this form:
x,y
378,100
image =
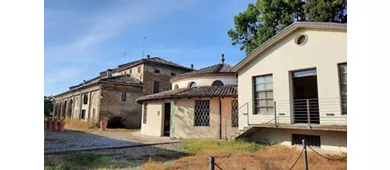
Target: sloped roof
x,y
291,28
122,79
214,69
157,60
202,91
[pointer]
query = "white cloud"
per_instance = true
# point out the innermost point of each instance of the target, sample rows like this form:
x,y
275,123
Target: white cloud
x,y
65,60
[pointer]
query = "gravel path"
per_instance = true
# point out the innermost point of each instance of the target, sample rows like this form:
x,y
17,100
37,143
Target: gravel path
x,y
72,140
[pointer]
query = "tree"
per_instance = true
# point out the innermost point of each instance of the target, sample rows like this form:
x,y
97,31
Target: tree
x,y
262,20
326,10
49,100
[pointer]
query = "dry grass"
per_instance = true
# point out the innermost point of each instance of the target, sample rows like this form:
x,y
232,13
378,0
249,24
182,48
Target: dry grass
x,y
80,124
241,155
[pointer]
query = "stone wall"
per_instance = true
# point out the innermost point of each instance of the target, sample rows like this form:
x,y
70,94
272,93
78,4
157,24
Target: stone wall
x,y
165,73
111,104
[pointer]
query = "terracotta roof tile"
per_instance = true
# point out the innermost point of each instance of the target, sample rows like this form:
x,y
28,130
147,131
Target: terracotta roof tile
x,y
202,91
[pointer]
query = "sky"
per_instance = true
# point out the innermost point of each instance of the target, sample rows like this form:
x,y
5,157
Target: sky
x,y
84,37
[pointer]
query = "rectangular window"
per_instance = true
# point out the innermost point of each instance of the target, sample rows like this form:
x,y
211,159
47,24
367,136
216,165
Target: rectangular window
x,y
156,71
343,87
123,96
173,74
145,112
83,114
263,95
156,86
139,69
85,99
311,140
234,113
202,113
130,71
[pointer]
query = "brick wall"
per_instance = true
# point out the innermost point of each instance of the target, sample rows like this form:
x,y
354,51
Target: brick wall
x,y
111,104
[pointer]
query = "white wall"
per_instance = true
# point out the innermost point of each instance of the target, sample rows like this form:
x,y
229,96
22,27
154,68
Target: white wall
x,y
153,125
205,81
324,50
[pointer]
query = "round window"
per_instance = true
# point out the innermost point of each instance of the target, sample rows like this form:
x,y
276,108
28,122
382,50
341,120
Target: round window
x,y
301,39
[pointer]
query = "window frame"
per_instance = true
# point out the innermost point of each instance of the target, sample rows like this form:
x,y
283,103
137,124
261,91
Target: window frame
x,y
85,98
156,90
217,81
234,111
254,107
123,96
198,123
139,69
310,140
83,114
191,83
341,84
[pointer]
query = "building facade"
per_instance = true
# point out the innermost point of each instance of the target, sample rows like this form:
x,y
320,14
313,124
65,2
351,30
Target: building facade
x,y
294,87
113,92
202,104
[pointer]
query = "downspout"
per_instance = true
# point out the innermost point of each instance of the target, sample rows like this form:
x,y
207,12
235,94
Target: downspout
x,y
220,119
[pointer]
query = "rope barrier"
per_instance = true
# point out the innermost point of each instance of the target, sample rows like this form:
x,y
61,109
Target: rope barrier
x,y
332,159
296,160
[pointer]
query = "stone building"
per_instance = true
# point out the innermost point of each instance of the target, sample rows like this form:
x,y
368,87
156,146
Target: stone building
x,y
202,104
113,92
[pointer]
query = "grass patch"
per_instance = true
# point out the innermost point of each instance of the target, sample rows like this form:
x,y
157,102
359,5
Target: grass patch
x,y
154,165
87,161
218,146
243,155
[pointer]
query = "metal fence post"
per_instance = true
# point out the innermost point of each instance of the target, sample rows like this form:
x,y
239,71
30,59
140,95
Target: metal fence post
x,y
305,155
308,111
211,159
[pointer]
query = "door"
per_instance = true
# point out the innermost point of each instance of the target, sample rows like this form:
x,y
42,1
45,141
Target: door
x,y
305,91
167,119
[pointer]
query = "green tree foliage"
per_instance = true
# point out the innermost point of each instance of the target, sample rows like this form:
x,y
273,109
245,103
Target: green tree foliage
x,y
326,10
262,20
48,104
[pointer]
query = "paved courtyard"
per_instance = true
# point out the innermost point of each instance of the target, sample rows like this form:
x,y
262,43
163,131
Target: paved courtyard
x,y
73,140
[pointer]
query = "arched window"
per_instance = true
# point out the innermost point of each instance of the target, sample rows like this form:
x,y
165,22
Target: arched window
x,y
176,87
217,83
192,84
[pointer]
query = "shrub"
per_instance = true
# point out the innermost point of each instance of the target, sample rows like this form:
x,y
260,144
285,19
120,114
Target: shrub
x,y
115,122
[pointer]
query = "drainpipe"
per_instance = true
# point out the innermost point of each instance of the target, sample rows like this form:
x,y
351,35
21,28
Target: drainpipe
x,y
220,119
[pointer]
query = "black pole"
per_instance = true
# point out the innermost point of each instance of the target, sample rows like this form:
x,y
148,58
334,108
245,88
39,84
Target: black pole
x,y
211,162
305,155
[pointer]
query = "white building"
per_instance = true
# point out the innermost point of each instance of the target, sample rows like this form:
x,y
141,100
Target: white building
x,y
294,87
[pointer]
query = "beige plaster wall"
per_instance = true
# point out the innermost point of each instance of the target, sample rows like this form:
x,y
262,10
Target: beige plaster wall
x,y
153,125
324,50
182,119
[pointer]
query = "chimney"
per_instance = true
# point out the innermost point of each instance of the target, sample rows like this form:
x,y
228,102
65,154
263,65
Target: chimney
x,y
192,66
84,81
148,56
109,73
223,58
